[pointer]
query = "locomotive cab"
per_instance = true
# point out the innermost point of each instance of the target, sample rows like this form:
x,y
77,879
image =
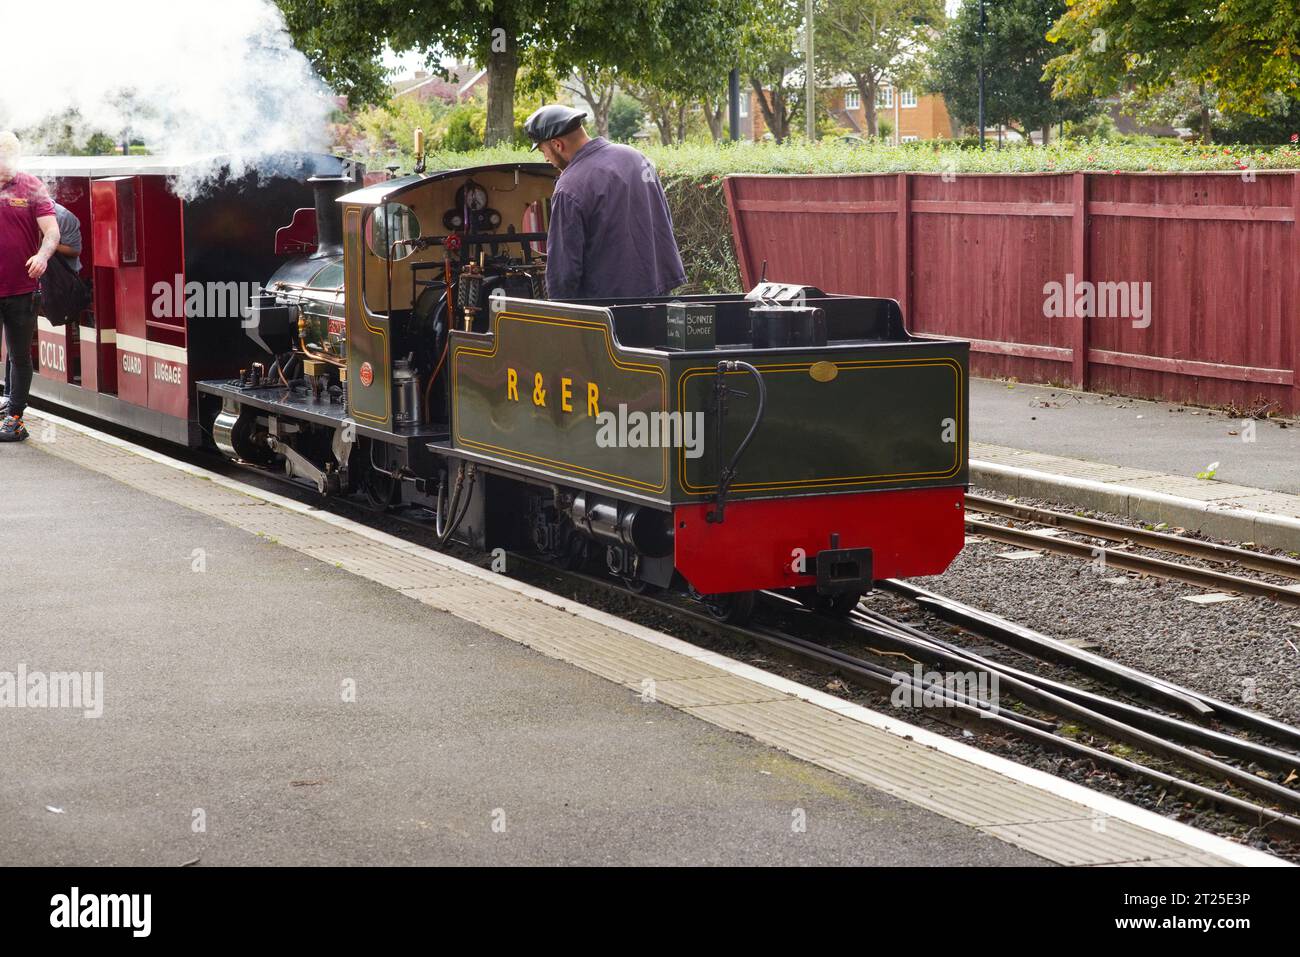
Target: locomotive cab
x,y
425,255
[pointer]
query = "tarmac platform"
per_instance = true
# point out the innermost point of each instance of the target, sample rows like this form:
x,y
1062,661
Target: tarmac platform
x,y
1140,460
284,686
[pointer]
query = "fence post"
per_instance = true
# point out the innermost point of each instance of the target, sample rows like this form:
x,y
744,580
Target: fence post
x,y
904,217
1293,312
747,279
1079,267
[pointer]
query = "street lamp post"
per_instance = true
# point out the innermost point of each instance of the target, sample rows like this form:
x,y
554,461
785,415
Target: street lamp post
x,y
810,96
983,26
733,103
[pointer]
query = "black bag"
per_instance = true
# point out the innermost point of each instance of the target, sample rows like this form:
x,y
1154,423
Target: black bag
x,y
63,293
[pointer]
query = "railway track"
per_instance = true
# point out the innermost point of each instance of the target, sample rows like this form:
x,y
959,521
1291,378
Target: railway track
x,y
1119,557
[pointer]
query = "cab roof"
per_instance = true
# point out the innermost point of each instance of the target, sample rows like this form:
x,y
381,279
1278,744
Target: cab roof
x,y
378,194
293,164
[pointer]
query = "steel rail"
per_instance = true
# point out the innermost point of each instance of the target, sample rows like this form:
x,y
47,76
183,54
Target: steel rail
x,y
1175,728
1203,577
1243,810
1049,649
1113,531
1029,693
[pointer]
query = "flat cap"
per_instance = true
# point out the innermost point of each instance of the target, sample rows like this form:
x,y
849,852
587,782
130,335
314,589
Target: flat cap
x,y
551,121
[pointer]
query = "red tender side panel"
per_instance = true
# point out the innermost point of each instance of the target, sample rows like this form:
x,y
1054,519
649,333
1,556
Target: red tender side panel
x,y
910,532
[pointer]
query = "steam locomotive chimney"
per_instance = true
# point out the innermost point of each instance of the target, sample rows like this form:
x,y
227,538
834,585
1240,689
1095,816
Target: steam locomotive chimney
x,y
329,217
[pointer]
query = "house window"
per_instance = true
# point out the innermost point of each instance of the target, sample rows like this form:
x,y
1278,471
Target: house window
x,y
908,98
885,97
851,100
907,139
744,106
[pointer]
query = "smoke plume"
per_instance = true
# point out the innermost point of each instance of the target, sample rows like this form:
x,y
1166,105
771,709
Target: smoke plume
x,y
188,77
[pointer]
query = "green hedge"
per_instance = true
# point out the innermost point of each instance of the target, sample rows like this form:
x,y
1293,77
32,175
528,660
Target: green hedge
x,y
692,175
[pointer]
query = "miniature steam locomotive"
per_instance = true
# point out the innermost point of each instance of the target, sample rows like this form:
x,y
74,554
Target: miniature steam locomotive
x,y
403,349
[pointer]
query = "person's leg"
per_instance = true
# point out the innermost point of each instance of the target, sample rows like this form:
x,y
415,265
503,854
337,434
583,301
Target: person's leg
x,y
19,316
9,368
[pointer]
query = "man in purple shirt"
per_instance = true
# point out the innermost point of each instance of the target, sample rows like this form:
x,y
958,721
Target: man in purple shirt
x,y
611,235
29,236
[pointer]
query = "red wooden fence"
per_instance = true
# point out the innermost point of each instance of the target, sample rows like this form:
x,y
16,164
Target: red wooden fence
x,y
971,256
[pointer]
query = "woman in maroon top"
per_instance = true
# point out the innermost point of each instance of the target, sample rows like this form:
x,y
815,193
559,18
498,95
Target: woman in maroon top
x,y
29,235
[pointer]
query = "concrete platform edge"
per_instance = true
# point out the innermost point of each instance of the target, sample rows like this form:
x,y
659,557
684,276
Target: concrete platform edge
x,y
1142,505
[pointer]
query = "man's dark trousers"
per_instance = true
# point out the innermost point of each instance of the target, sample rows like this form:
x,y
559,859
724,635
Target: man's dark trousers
x,y
18,315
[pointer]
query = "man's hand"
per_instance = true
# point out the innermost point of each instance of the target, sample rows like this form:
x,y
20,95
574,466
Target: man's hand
x,y
36,266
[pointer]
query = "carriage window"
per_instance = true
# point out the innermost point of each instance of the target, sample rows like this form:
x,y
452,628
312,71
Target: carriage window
x,y
388,224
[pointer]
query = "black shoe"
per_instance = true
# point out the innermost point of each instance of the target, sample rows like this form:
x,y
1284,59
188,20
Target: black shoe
x,y
12,429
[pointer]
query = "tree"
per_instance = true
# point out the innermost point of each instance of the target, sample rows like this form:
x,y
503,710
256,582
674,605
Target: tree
x,y
687,62
714,108
389,127
1015,50
462,130
67,134
625,118
596,85
1277,126
344,39
872,40
769,52
496,34
1246,52
663,108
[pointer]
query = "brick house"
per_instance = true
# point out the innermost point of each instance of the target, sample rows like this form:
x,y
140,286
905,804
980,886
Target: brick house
x,y
912,116
464,79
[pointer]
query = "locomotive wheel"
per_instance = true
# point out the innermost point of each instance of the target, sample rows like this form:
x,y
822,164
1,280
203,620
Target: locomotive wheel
x,y
734,608
381,490
638,586
836,606
569,555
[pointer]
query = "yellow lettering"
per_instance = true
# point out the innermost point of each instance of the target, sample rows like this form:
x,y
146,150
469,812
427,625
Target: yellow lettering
x,y
593,394
566,394
539,394
512,384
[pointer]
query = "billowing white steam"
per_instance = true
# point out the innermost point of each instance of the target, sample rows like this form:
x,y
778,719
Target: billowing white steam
x,y
189,77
